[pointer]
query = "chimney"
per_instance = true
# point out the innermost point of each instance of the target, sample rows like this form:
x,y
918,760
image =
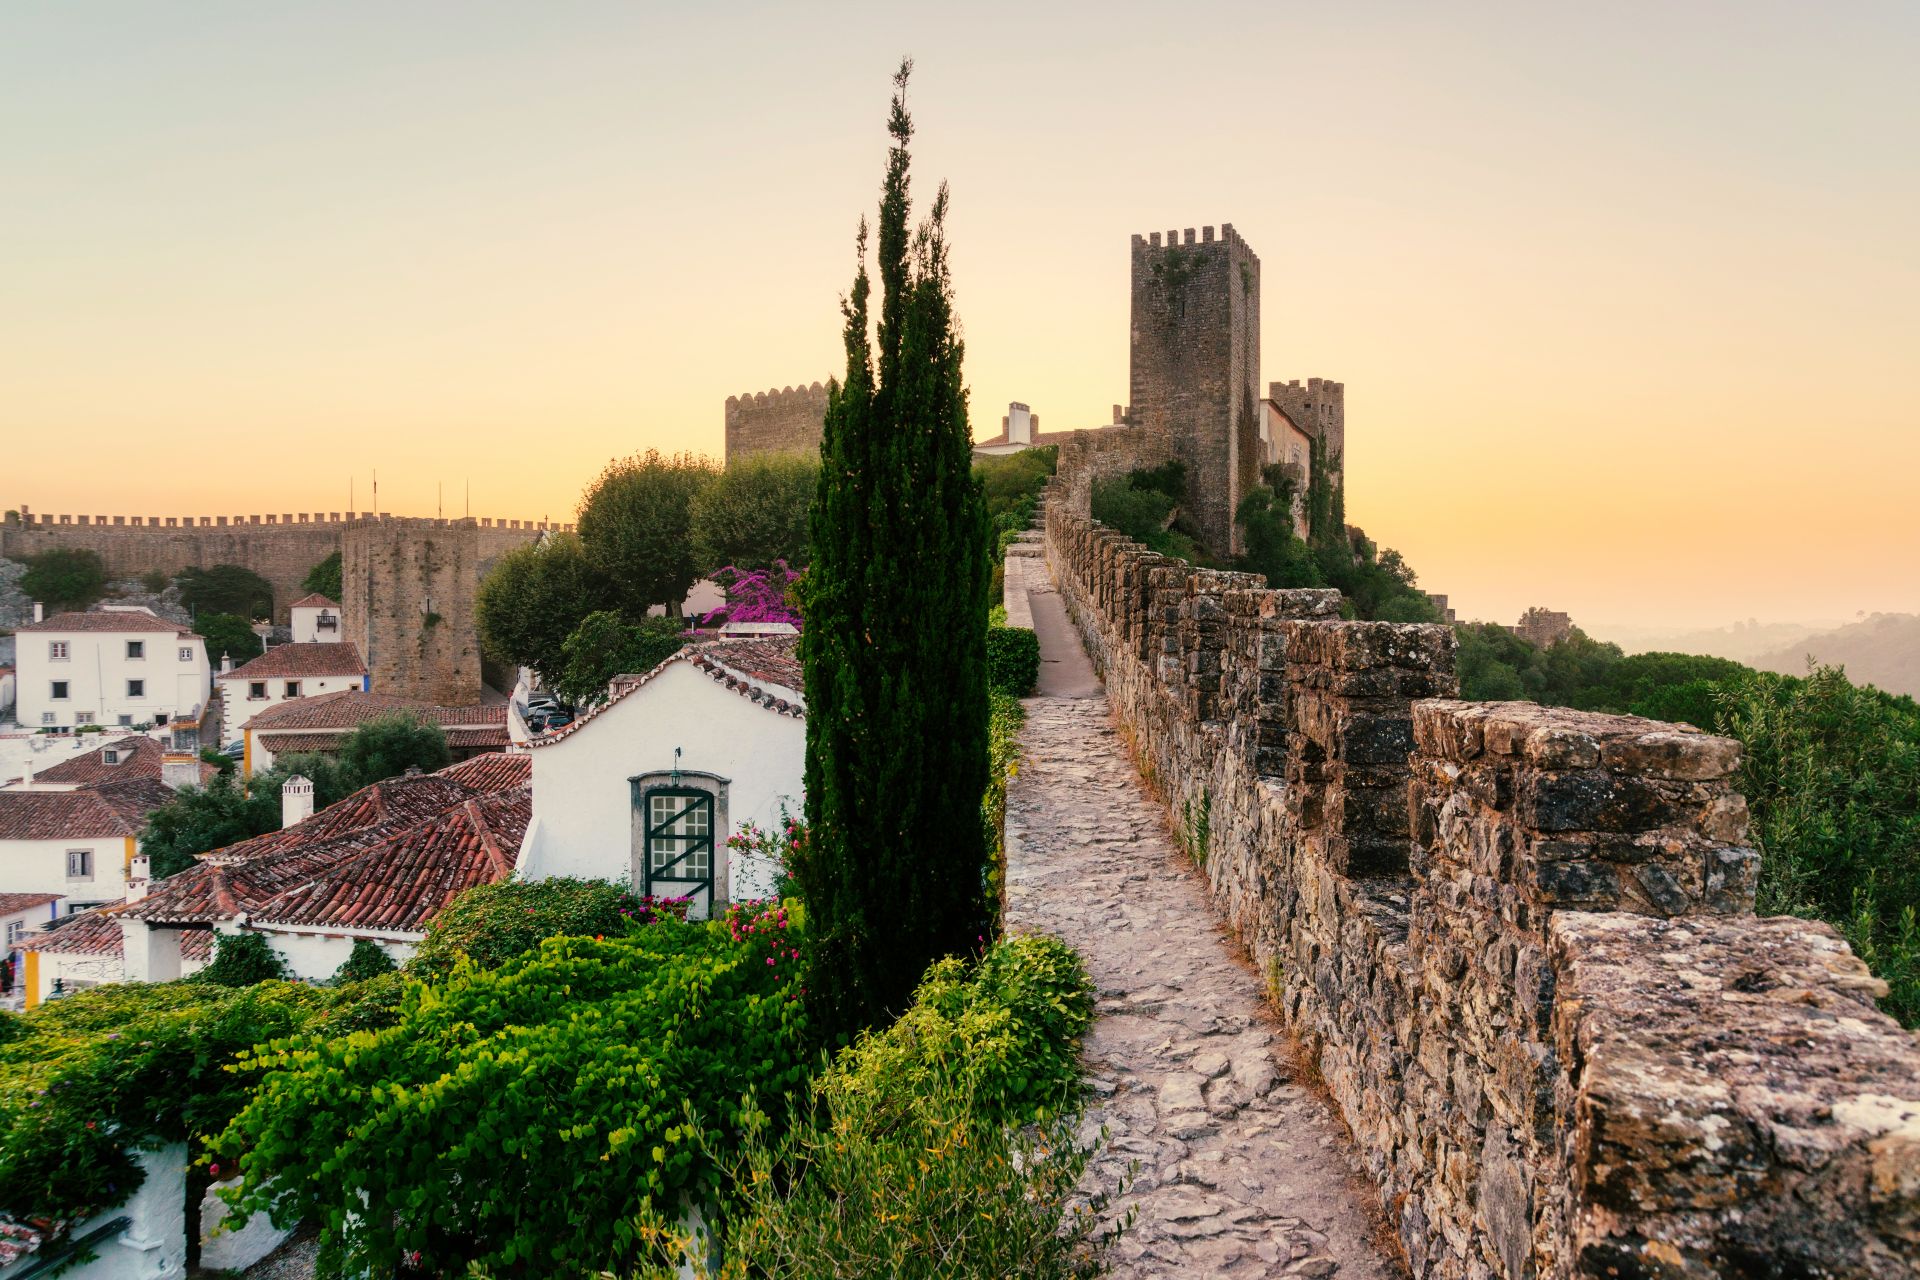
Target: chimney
x,y
296,801
179,769
226,662
1019,424
39,612
139,873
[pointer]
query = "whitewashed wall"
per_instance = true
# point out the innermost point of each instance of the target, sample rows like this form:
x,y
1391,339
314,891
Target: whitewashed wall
x,y
40,866
583,802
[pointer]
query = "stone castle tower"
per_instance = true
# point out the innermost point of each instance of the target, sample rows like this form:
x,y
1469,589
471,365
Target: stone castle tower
x,y
1195,370
409,588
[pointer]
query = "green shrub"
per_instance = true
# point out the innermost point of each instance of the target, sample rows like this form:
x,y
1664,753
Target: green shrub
x,y
65,578
935,1195
368,959
1005,715
1013,660
240,960
1009,1031
510,1118
1011,484
366,1005
86,1080
226,588
324,578
491,924
154,581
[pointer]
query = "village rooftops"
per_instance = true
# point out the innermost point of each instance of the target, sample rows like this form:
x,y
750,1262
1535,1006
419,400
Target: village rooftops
x,y
87,813
309,660
243,877
397,884
109,620
765,670
134,756
314,601
494,771
12,904
98,933
350,708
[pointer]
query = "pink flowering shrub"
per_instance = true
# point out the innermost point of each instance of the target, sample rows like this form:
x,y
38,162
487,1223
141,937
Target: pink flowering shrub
x,y
783,845
757,595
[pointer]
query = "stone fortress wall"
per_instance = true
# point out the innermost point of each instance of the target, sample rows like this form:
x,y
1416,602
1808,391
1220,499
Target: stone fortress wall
x,y
280,548
1516,943
1195,367
786,420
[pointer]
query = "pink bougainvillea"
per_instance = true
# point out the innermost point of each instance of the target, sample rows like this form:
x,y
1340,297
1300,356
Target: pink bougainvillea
x,y
756,595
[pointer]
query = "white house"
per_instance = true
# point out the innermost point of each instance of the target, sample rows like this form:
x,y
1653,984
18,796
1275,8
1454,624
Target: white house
x,y
89,950
321,722
78,842
117,665
303,669
646,789
6,691
316,620
21,914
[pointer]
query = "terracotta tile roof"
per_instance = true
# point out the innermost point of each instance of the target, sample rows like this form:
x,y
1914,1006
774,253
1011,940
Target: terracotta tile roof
x,y
402,881
746,665
297,660
14,903
350,707
140,757
105,620
89,813
97,933
494,771
240,877
314,601
286,742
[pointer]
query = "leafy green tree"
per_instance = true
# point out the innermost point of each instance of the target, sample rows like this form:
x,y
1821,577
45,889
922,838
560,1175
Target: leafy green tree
x,y
1831,773
1012,482
64,578
755,513
226,588
228,634
1273,549
895,644
636,522
197,821
535,597
324,577
388,745
606,645
512,1120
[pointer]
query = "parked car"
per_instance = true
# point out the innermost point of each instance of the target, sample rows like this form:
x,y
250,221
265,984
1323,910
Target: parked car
x,y
235,749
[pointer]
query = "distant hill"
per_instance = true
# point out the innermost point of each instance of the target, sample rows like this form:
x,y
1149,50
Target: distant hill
x,y
1883,650
1741,641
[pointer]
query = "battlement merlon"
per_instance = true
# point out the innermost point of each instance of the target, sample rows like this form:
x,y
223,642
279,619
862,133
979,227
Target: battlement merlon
x,y
1178,240
805,394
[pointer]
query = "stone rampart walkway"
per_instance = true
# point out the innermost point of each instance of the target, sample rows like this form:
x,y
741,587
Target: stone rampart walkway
x,y
1242,1171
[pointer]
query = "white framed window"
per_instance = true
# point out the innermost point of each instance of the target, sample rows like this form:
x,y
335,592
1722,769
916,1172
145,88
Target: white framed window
x,y
57,650
257,690
127,721
110,756
47,717
16,929
59,691
293,688
136,649
186,653
136,688
79,864
83,717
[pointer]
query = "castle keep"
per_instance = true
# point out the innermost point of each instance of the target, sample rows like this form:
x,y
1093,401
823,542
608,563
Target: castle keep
x,y
1195,368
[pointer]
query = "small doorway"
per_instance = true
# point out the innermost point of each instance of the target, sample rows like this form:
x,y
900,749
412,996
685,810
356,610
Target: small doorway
x,y
678,821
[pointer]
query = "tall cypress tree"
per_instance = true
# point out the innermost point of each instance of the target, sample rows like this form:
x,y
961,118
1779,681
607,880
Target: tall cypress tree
x,y
895,643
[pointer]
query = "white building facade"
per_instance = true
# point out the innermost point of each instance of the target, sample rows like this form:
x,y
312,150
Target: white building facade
x,y
316,620
646,790
116,666
285,673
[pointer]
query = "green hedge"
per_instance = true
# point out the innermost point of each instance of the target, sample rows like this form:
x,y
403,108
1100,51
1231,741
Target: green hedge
x,y
1013,660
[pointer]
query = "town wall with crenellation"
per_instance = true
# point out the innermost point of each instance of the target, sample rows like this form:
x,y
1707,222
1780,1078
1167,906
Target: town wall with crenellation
x,y
1516,943
281,548
787,420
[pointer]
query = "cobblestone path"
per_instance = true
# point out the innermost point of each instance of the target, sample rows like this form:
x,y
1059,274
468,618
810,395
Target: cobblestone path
x,y
1242,1171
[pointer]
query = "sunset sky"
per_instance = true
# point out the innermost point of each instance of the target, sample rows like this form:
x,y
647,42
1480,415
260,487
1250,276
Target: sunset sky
x,y
1626,297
